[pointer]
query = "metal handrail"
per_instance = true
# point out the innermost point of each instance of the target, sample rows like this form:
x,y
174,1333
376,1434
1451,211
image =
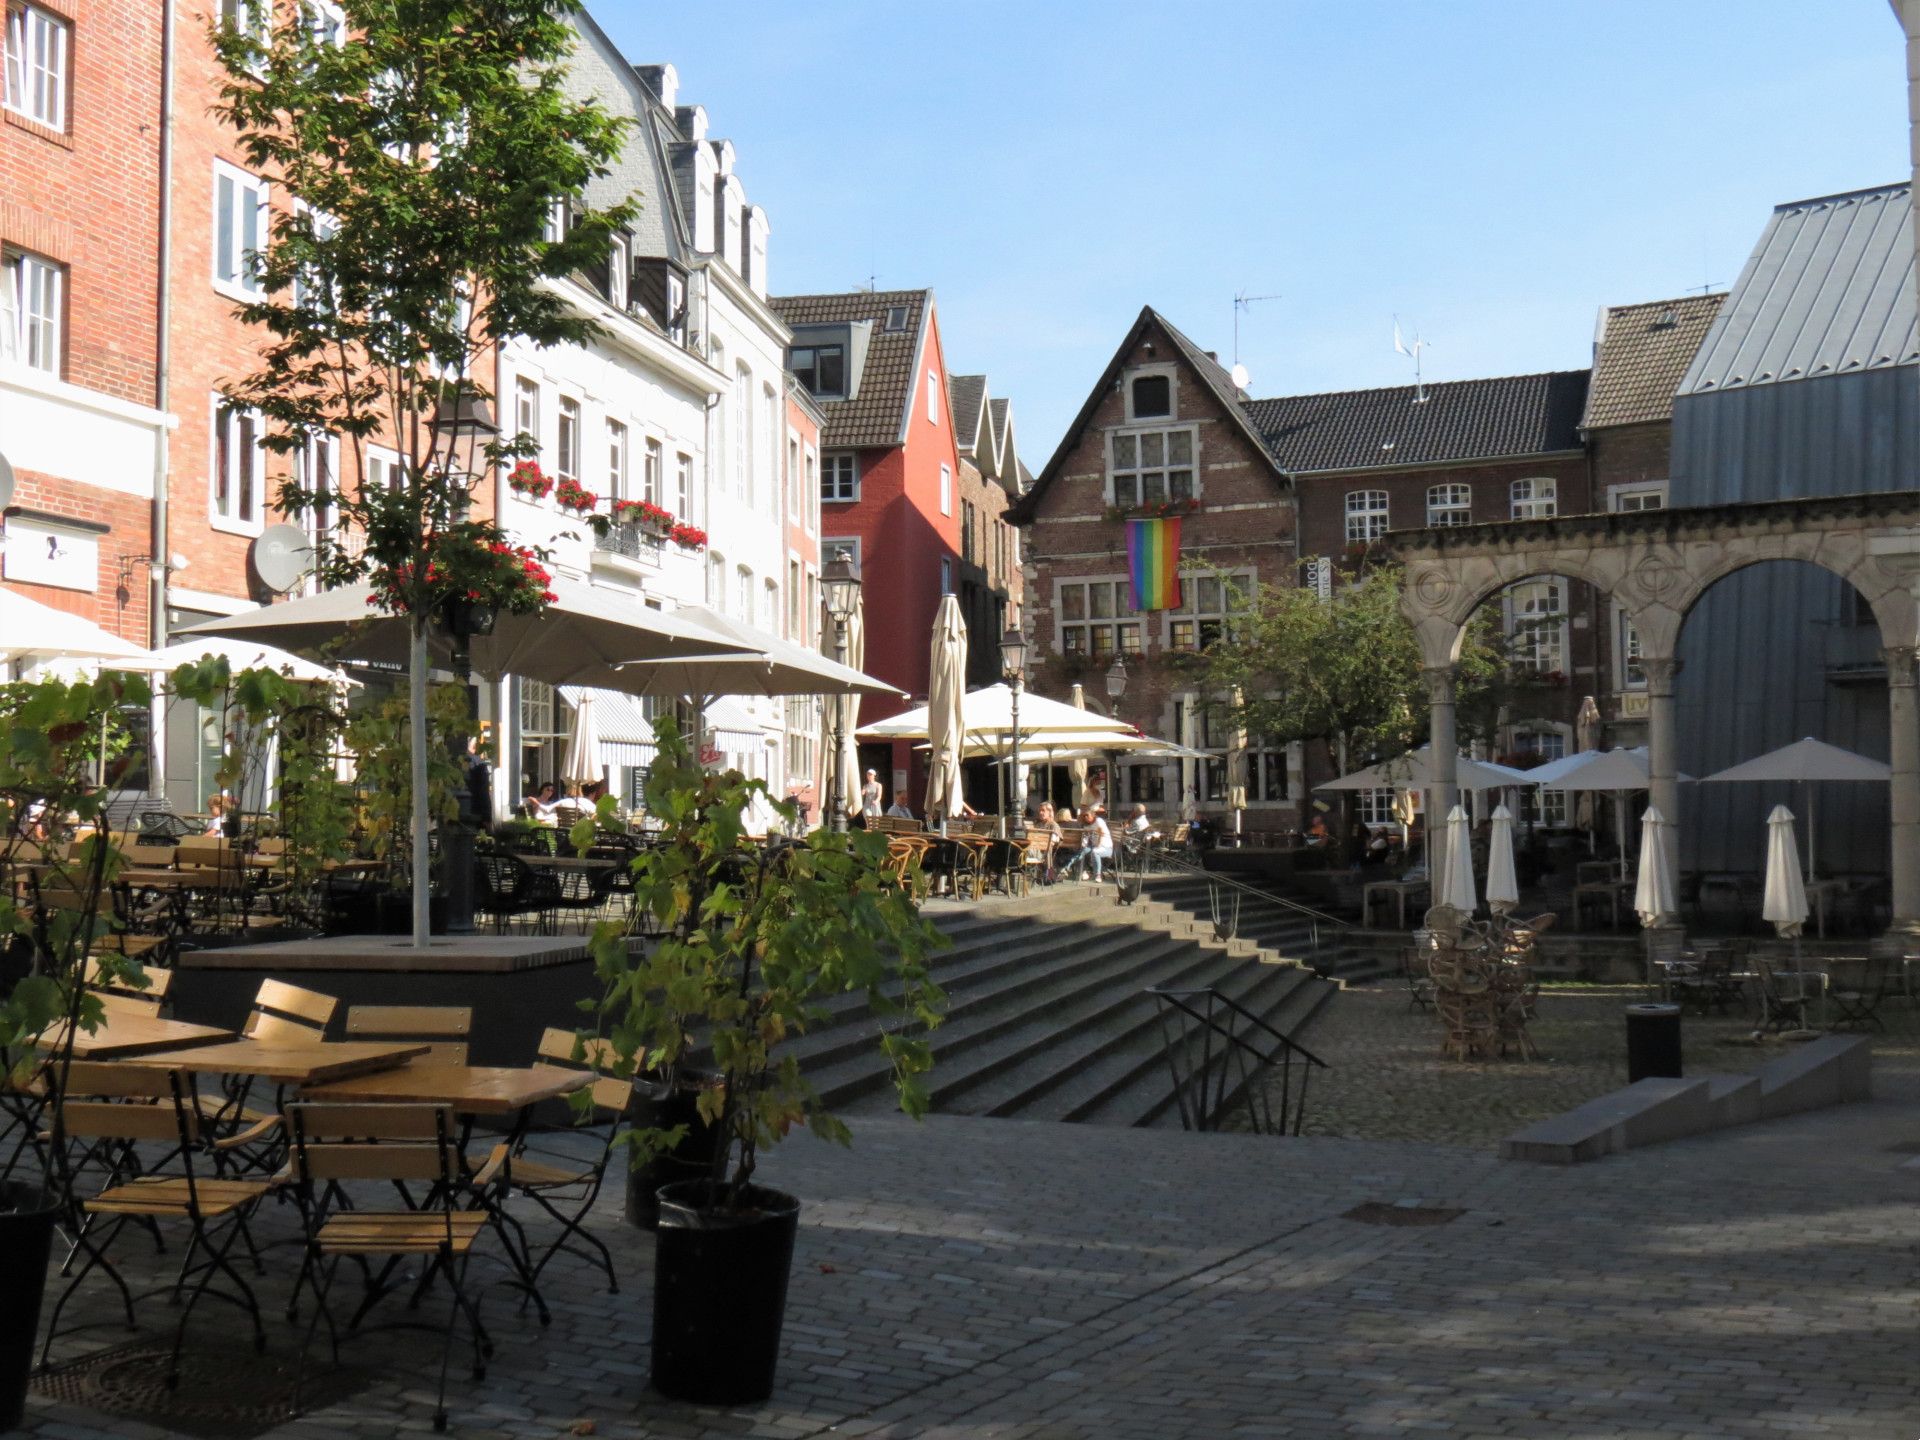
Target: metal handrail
x,y
1202,1092
1316,918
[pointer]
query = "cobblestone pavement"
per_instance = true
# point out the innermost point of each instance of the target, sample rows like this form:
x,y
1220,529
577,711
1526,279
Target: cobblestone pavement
x,y
1388,1080
971,1278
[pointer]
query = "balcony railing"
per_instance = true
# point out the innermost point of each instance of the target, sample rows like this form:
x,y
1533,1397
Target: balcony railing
x,y
634,542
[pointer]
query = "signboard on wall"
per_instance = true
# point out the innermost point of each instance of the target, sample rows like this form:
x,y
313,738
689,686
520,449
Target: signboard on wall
x,y
42,552
636,787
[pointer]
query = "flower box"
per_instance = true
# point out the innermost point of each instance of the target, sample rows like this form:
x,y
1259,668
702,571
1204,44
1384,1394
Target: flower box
x,y
572,495
528,479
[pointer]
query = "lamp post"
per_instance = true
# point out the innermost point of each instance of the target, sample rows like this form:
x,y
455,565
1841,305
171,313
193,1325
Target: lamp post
x,y
465,413
840,583
1013,665
1116,687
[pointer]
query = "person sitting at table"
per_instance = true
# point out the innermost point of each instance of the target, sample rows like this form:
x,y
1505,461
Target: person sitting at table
x,y
1096,846
898,810
542,805
216,814
1139,826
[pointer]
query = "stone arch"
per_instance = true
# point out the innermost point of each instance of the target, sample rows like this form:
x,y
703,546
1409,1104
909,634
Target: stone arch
x,y
1888,593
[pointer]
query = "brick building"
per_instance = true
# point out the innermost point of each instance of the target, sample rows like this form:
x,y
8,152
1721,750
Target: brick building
x,y
83,424
889,467
990,480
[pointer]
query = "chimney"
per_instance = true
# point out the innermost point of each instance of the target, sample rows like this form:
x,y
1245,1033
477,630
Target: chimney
x,y
691,122
663,81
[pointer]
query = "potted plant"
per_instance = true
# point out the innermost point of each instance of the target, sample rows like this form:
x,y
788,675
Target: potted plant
x,y
572,495
528,479
51,746
752,941
688,537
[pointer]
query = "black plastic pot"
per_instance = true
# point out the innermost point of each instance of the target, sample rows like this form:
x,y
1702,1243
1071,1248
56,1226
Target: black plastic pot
x,y
26,1238
720,1294
660,1108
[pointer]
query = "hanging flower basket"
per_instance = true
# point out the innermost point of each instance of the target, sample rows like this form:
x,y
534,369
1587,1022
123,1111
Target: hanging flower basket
x,y
688,537
572,495
466,566
528,479
643,514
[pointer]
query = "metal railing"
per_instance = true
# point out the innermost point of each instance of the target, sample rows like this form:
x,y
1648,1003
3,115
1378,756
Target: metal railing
x,y
1229,1056
631,541
1224,892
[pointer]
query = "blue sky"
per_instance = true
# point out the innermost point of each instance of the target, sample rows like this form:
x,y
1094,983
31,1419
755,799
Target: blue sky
x,y
1490,170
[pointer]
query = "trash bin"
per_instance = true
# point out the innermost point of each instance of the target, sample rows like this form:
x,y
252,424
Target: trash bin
x,y
1653,1041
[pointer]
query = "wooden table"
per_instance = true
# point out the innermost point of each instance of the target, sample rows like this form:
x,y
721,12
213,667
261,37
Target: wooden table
x,y
570,862
469,1089
1398,889
301,1062
124,1034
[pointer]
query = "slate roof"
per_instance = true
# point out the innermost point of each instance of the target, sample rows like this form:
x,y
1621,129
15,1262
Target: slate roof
x,y
1460,420
876,415
966,394
1827,291
1640,355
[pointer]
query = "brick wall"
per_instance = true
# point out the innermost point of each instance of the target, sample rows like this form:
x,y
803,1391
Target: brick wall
x,y
119,600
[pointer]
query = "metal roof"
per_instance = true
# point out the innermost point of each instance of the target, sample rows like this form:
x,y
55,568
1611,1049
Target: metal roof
x,y
1828,291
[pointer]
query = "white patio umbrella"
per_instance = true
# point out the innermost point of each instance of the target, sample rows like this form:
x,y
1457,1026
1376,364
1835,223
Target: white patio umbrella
x,y
581,764
946,714
1807,762
1783,904
1653,895
988,713
1078,769
1619,773
1503,886
30,630
1456,866
1414,771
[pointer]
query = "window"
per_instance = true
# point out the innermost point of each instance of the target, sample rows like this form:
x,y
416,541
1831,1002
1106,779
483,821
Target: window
x,y
617,460
795,593
896,319
946,575
1449,505
326,22
1151,397
556,226
677,309
1652,496
385,469
566,455
654,480
1207,605
1366,516
237,482
526,409
542,736
1151,466
1096,618
1546,744
619,267
683,486
795,497
1535,499
717,581
310,285
966,533
830,550
320,477
1629,673
839,477
239,230
1537,625
32,312
37,65
933,402
1375,807
946,490
743,435
249,17
821,368
743,594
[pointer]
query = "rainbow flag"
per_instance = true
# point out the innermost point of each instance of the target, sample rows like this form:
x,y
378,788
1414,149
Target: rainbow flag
x,y
1153,562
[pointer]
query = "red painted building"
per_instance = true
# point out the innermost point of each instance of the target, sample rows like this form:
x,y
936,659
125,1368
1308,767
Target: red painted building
x,y
889,479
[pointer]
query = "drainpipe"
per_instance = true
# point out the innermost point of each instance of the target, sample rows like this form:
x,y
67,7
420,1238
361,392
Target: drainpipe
x,y
159,550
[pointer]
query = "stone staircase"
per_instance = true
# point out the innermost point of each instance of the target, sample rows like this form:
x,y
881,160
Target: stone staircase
x,y
1047,1017
1278,930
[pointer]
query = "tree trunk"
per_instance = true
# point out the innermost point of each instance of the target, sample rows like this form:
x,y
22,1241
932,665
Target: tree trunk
x,y
417,738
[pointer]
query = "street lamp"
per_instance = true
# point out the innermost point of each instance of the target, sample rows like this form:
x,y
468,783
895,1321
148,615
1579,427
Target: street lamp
x,y
1013,665
465,412
1116,687
840,583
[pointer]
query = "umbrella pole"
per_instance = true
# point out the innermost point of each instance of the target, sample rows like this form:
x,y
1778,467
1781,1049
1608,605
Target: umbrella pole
x,y
1811,817
417,738
1620,829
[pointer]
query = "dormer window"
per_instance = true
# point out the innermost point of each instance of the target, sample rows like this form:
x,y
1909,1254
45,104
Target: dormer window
x,y
619,270
896,319
1152,397
822,369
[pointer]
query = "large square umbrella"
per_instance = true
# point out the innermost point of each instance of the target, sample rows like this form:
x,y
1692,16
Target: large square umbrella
x,y
1806,762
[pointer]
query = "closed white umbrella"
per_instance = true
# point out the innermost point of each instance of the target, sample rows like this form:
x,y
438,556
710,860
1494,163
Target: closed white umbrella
x,y
1653,894
1078,769
1808,762
946,715
1456,872
849,708
1586,736
1783,905
1237,765
582,762
1503,885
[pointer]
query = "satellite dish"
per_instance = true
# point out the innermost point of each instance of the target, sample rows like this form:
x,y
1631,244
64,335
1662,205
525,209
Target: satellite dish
x,y
1240,377
282,554
6,483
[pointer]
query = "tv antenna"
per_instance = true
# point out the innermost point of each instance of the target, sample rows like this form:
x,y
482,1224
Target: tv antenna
x,y
1243,301
1412,351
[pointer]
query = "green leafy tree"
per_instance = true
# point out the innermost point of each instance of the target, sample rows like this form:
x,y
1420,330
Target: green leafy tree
x,y
428,156
754,938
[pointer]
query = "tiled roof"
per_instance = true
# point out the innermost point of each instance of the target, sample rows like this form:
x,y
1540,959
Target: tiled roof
x,y
1459,420
1640,355
966,393
1827,291
876,414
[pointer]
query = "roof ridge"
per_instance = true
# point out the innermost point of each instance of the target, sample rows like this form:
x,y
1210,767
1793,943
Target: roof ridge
x,y
1429,386
848,294
1715,296
1891,187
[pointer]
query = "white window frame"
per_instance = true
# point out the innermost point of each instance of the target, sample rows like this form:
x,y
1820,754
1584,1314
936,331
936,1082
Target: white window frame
x,y
326,22
1375,807
1628,673
653,472
526,408
1542,633
1170,374
811,493
1122,631
246,491
1166,469
245,284
946,490
321,452
1368,515
796,500
38,82
683,485
1186,629
743,435
570,418
33,330
717,581
618,456
1551,808
619,271
1449,504
249,17
743,593
1534,498
933,399
324,228
1622,499
386,468
837,469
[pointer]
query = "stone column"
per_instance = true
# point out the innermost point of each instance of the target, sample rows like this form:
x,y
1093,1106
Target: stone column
x,y
1442,789
1663,789
1903,788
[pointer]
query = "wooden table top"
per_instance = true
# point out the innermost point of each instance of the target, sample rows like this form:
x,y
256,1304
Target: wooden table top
x,y
469,1089
144,877
298,1062
571,862
124,1034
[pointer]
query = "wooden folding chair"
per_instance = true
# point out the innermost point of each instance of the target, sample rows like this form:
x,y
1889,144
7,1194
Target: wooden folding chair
x,y
147,985
444,1027
281,1012
111,1109
567,1191
334,1145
